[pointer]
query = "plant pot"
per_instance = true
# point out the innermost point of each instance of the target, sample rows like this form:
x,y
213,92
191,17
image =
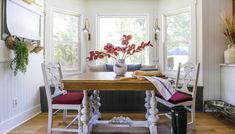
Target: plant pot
x,y
229,56
37,49
9,42
30,46
28,1
120,67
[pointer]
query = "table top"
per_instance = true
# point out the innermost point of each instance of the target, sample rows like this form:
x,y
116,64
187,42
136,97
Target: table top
x,y
105,81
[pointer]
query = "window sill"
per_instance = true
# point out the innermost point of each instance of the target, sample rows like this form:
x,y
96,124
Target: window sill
x,y
171,73
71,73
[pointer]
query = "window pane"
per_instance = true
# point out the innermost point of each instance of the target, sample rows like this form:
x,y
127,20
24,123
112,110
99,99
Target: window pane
x,y
177,39
67,55
112,29
65,40
65,27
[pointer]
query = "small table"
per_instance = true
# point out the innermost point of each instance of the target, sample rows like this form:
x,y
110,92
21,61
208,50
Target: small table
x,y
108,81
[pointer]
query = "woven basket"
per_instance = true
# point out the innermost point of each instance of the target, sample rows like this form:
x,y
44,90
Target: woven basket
x,y
37,49
9,42
28,1
30,46
229,56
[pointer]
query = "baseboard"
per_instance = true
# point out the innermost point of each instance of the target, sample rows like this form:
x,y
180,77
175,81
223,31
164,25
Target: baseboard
x,y
19,119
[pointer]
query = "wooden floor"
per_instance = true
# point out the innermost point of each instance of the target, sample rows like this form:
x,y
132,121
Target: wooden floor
x,y
206,124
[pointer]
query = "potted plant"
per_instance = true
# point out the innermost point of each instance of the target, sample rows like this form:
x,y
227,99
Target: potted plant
x,y
119,53
20,61
229,32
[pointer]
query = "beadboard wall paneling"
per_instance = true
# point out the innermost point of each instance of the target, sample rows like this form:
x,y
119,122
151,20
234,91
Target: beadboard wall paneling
x,y
4,52
214,44
24,88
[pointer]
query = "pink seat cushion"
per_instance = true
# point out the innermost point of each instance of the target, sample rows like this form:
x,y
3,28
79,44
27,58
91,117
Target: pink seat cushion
x,y
69,98
178,97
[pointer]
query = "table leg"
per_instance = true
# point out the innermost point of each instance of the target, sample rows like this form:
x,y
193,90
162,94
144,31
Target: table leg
x,y
96,102
147,103
86,113
153,117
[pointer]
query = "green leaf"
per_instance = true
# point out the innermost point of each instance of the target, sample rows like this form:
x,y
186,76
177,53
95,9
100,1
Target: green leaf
x,y
20,61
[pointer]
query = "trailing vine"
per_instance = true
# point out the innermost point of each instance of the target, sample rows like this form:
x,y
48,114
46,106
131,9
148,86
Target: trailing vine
x,y
20,61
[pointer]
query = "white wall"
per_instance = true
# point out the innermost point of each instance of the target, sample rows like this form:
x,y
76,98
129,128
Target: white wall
x,y
24,87
213,44
121,7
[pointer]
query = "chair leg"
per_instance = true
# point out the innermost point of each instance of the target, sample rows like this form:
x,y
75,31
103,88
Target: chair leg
x,y
50,121
65,112
193,117
79,121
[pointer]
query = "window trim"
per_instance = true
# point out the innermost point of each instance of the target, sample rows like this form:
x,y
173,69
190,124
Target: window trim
x,y
51,46
193,49
125,15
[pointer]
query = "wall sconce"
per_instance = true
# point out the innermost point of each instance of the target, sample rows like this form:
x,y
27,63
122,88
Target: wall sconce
x,y
156,29
86,29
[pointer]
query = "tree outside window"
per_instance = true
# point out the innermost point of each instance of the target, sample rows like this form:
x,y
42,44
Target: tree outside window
x,y
178,38
66,40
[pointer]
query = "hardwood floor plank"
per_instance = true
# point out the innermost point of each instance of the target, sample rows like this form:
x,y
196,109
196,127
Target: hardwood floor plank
x,y
206,124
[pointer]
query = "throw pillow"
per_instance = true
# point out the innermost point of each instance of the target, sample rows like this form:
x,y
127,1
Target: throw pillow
x,y
133,67
97,68
149,68
109,67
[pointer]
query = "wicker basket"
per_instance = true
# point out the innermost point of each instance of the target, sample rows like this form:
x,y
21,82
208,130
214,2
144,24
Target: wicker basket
x,y
30,46
37,49
28,1
9,42
229,56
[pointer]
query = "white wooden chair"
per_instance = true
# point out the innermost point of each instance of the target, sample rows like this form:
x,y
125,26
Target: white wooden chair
x,y
184,96
59,99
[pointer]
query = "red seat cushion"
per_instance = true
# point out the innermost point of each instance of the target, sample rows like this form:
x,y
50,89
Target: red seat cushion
x,y
69,98
178,97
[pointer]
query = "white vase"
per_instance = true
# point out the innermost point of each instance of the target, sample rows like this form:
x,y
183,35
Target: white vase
x,y
120,67
229,55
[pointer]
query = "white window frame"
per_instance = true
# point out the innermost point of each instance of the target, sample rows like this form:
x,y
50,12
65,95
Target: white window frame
x,y
192,49
51,46
147,59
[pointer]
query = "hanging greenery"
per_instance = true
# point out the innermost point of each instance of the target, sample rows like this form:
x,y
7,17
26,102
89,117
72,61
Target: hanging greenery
x,y
20,61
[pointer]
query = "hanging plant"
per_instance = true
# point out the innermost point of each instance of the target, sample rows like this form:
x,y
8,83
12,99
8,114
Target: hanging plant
x,y
20,61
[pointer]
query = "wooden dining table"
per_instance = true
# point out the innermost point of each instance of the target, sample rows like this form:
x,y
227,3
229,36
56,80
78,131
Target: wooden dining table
x,y
109,81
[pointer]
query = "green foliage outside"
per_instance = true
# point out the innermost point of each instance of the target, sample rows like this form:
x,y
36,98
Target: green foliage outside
x,y
65,38
66,55
178,31
178,37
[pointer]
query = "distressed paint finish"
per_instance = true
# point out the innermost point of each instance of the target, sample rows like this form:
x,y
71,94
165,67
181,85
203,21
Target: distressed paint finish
x,y
107,81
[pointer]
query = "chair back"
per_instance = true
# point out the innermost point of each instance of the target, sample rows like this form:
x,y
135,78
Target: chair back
x,y
187,75
52,75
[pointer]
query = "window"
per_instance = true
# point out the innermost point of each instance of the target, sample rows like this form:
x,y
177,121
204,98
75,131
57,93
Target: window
x,y
178,39
65,40
111,29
